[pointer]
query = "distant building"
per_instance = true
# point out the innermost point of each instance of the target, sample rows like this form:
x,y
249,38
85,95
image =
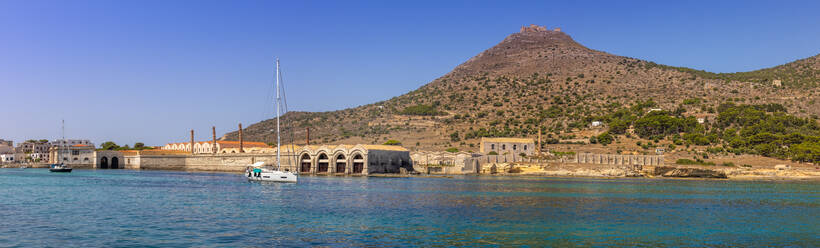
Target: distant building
x,y
76,155
352,159
32,150
6,142
222,146
85,156
597,124
507,145
71,142
6,148
7,158
33,147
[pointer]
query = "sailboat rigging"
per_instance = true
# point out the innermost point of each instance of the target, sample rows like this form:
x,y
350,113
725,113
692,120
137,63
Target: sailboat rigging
x,y
257,171
59,166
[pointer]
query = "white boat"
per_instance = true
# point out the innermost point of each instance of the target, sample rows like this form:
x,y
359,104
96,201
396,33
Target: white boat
x,y
258,171
60,166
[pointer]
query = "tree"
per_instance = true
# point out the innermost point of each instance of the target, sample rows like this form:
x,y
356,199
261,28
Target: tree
x,y
109,145
454,137
139,145
452,149
605,138
393,143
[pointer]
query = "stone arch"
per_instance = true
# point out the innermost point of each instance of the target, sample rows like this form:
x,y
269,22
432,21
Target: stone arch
x,y
358,163
322,163
304,163
115,163
340,162
104,163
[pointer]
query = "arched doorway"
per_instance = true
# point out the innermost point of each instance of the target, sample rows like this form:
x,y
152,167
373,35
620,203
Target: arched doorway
x,y
115,163
341,163
358,163
305,163
104,163
322,163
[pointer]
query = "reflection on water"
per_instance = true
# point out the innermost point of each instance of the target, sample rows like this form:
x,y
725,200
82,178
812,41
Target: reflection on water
x,y
156,208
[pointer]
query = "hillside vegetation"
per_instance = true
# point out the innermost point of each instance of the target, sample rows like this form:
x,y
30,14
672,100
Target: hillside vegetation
x,y
544,81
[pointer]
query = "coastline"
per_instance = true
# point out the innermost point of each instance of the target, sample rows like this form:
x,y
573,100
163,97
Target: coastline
x,y
747,175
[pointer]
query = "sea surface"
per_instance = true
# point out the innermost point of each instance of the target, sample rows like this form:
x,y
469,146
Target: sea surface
x,y
124,208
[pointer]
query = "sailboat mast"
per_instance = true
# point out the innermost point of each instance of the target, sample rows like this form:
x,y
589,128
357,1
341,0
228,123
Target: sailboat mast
x,y
61,142
278,139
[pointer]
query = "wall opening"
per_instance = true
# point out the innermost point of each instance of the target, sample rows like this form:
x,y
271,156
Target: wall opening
x,y
322,163
341,164
104,163
358,163
304,163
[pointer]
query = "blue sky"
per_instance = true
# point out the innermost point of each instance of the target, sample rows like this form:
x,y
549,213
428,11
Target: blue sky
x,y
149,71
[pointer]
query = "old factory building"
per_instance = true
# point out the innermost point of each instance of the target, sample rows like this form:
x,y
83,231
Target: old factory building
x,y
352,159
502,146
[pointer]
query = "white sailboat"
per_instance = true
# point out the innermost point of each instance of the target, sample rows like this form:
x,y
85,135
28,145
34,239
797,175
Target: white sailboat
x,y
258,171
59,166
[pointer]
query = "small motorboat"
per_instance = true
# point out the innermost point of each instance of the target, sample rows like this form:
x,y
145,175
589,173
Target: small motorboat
x,y
59,168
258,172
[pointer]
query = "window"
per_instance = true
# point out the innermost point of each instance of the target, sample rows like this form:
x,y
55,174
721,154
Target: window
x,y
75,152
503,147
515,147
492,146
525,147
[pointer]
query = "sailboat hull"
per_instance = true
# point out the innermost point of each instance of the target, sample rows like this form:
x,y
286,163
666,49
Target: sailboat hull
x,y
272,176
60,170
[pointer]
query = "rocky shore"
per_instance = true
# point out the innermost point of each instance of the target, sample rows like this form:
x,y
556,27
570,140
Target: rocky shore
x,y
670,171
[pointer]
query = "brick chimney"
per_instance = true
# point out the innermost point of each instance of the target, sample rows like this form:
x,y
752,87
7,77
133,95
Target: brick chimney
x,y
192,141
240,139
213,145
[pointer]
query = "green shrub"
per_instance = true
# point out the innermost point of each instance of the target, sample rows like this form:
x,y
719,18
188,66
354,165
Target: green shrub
x,y
684,161
423,110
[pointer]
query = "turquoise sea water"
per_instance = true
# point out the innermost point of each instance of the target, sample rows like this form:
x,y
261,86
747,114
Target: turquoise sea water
x,y
116,208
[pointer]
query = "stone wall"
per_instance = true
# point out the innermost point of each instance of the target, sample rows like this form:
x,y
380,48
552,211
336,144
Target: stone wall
x,y
444,162
380,161
220,162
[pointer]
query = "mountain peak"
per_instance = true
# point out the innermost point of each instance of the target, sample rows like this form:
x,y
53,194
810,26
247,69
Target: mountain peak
x,y
536,28
533,49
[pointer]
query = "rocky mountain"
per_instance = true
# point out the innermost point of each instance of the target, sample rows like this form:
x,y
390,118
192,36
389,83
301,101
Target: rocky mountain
x,y
543,79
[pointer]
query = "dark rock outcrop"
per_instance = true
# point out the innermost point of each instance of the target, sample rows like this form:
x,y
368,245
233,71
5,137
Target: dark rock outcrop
x,y
666,171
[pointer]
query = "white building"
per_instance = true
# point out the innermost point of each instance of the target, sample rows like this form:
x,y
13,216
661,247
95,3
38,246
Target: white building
x,y
38,157
597,124
7,158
